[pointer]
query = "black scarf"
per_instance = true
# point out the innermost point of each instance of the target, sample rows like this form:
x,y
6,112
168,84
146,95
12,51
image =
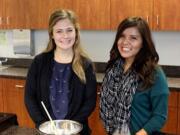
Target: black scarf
x,y
116,96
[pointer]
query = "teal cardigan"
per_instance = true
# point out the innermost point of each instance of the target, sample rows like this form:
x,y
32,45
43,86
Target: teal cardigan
x,y
150,107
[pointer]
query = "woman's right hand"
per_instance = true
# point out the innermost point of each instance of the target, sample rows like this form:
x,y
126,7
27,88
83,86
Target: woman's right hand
x,y
141,132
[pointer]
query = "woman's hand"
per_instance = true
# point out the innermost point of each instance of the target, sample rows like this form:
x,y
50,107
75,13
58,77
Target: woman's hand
x,y
141,132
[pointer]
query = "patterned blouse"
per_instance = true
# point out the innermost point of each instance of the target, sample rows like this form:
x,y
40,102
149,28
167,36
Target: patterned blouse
x,y
59,89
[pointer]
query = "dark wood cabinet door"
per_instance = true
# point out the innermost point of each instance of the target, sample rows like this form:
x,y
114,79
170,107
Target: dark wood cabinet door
x,y
178,129
172,121
12,99
120,9
95,122
16,14
144,9
13,93
173,98
40,11
2,14
166,15
93,14
1,95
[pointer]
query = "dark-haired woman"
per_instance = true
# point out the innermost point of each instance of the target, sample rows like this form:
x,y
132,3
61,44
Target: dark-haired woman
x,y
134,94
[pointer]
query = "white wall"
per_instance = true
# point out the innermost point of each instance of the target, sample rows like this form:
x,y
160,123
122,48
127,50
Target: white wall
x,y
168,47
98,43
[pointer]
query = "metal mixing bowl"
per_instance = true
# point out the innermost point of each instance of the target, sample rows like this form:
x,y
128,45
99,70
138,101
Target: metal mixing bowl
x,y
63,127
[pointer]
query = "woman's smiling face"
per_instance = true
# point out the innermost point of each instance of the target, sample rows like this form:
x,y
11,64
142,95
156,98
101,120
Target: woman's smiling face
x,y
64,34
129,43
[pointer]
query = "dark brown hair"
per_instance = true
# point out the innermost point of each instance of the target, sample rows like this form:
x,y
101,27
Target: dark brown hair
x,y
147,58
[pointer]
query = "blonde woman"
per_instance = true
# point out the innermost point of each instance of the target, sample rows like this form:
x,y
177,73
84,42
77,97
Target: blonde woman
x,y
62,76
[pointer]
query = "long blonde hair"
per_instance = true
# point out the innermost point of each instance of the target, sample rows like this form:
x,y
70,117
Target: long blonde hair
x,y
79,54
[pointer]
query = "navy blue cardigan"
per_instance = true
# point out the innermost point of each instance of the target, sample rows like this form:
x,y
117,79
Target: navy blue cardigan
x,y
82,97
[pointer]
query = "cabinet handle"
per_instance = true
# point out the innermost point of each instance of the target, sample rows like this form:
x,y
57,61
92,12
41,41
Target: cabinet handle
x,y
19,86
0,20
157,20
147,19
7,20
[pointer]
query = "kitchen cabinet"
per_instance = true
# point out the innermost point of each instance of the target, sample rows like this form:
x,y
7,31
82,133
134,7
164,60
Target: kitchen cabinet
x,y
94,14
166,15
172,120
1,14
1,96
13,93
121,9
42,9
160,14
30,14
14,14
144,9
178,129
95,121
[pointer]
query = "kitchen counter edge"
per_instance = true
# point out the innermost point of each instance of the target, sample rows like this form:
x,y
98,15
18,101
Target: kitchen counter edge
x,y
21,73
